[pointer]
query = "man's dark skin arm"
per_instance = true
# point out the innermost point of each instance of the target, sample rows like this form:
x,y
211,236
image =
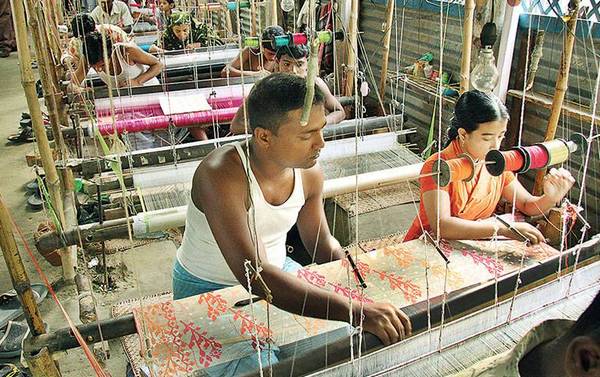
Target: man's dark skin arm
x,y
220,191
312,223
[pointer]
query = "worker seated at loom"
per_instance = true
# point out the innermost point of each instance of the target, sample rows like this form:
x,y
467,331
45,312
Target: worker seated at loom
x,y
294,60
73,58
253,61
166,9
183,33
556,347
114,13
246,196
462,209
127,65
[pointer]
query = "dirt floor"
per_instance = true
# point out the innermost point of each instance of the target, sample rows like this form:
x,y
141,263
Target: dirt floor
x,y
144,269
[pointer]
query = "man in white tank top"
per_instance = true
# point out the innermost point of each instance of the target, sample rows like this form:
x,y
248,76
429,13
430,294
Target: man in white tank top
x,y
265,186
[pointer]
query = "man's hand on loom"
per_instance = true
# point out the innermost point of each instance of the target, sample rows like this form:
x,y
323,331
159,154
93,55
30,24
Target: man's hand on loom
x,y
532,233
385,321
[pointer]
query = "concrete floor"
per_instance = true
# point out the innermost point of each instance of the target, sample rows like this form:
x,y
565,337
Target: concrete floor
x,y
146,265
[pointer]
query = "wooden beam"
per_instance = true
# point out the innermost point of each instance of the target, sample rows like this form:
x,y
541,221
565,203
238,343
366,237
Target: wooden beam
x,y
562,84
352,48
389,13
465,63
569,109
18,275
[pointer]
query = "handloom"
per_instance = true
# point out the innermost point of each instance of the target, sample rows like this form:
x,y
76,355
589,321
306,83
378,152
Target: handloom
x,y
162,219
200,62
195,332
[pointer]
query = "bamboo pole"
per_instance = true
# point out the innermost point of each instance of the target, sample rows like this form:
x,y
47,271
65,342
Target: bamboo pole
x,y
274,11
28,83
562,84
465,63
253,15
18,275
352,48
49,79
389,13
42,365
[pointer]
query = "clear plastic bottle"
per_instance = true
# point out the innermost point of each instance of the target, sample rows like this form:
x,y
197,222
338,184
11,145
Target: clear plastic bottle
x,y
484,76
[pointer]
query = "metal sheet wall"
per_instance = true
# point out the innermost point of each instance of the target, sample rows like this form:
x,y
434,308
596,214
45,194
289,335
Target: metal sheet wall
x,y
414,33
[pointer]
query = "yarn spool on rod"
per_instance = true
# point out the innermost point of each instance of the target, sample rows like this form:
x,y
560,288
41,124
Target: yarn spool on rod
x,y
522,159
558,151
498,162
454,170
538,155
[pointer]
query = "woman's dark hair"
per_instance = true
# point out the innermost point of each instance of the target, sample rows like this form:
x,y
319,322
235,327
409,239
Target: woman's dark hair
x,y
293,51
82,24
269,33
92,47
474,108
280,93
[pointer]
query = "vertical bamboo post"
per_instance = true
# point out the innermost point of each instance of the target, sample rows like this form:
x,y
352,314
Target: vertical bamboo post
x,y
28,83
16,270
562,84
389,13
49,78
253,15
274,11
352,48
465,63
42,365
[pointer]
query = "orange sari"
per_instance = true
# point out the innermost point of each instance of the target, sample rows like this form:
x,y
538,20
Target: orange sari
x,y
473,200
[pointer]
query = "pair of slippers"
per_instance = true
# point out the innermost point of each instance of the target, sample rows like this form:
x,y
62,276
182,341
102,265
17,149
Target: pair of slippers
x,y
11,370
25,134
13,333
35,200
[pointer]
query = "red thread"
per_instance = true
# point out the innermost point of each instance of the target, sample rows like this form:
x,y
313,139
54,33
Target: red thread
x,y
538,156
513,160
299,39
93,362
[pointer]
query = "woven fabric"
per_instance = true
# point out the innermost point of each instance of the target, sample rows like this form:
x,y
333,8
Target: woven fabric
x,y
379,198
198,332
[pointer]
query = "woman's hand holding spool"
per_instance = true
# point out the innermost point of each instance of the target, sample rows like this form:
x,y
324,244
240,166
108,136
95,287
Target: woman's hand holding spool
x,y
557,184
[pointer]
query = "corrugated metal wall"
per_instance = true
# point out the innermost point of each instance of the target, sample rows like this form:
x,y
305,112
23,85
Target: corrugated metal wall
x,y
420,35
581,86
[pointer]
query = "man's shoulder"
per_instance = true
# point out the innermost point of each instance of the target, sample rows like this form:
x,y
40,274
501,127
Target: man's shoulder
x,y
96,11
322,85
121,5
223,162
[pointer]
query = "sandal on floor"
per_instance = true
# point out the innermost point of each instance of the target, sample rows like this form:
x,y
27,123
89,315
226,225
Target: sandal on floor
x,y
10,307
35,201
10,370
11,343
25,135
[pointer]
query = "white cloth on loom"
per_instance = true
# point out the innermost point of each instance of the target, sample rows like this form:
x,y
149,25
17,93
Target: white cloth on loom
x,y
199,253
506,364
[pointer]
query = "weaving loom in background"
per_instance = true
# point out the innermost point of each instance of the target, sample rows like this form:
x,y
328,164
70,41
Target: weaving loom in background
x,y
195,333
167,187
202,63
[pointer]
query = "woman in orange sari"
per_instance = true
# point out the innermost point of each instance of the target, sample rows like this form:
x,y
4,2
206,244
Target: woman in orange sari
x,y
462,210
